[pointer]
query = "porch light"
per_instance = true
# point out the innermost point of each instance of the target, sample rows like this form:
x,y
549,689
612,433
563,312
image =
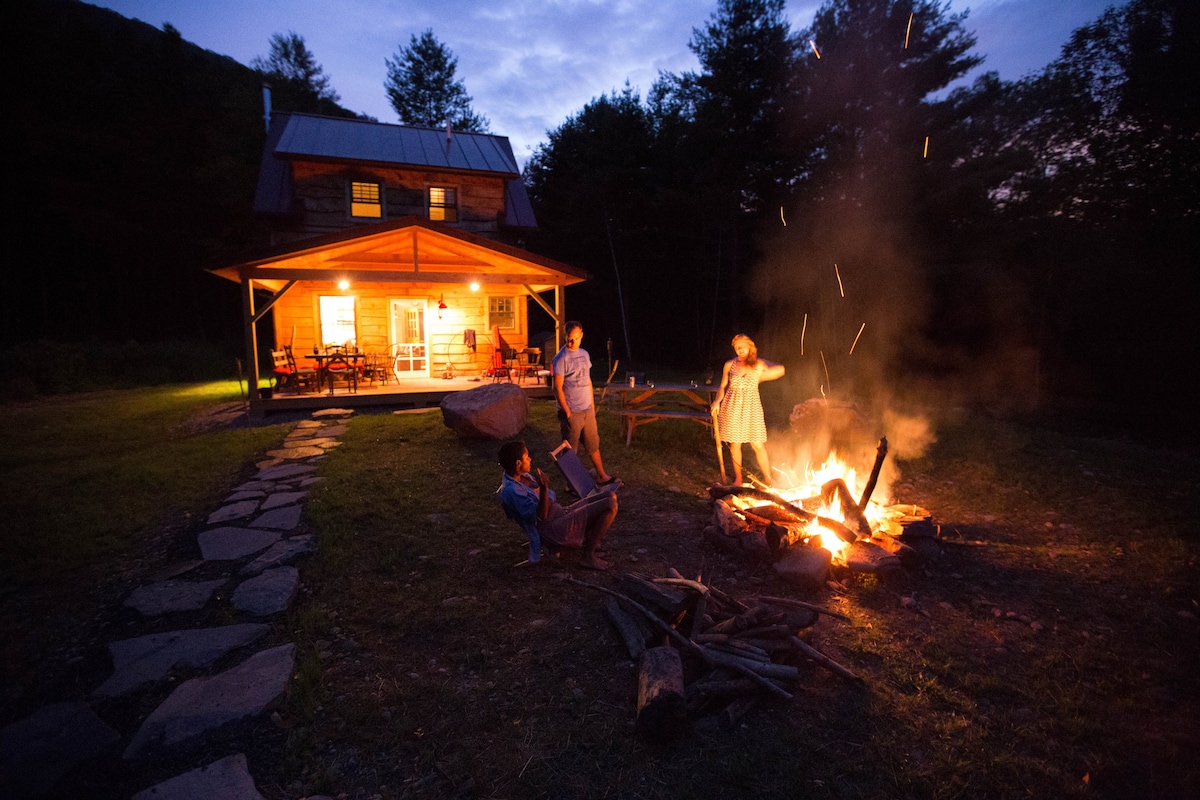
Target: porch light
x,y
343,284
441,305
474,286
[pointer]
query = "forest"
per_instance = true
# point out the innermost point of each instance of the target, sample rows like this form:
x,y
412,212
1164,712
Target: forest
x,y
1025,242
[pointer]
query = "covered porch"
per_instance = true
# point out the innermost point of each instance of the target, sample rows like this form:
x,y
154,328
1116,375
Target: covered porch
x,y
444,309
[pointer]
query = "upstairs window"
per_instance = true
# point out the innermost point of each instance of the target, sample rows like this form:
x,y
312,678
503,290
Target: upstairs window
x,y
364,200
502,312
443,204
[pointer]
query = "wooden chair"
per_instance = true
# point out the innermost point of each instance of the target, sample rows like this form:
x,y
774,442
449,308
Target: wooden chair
x,y
300,378
341,368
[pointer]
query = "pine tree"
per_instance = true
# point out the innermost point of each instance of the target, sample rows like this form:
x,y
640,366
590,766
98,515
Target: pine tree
x,y
422,87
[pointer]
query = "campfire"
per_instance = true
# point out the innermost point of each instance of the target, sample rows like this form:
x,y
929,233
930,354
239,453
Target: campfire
x,y
827,520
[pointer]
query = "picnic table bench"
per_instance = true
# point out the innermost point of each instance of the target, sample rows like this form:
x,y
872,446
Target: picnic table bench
x,y
644,403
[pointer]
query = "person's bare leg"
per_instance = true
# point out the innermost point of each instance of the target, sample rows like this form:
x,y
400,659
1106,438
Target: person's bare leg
x,y
764,463
600,473
735,453
601,514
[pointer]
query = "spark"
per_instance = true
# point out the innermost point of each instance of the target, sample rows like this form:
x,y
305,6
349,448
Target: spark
x,y
860,330
781,219
908,30
815,50
803,328
826,366
926,155
839,277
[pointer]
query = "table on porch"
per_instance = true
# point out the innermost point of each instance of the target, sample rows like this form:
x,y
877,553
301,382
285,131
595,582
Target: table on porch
x,y
644,403
328,362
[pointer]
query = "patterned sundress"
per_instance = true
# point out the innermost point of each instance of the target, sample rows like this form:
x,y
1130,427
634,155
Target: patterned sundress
x,y
741,414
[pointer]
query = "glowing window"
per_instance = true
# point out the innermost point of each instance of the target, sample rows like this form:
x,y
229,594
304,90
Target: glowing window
x,y
364,200
502,312
337,321
443,204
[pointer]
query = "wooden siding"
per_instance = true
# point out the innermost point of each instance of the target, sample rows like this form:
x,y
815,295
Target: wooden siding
x,y
322,195
298,311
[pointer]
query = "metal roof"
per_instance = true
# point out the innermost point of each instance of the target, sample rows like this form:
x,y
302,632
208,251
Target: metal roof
x,y
309,136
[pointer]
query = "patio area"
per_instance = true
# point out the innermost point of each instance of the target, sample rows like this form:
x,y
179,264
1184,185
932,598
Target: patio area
x,y
407,393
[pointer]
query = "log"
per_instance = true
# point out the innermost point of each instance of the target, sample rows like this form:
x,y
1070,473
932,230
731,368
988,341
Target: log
x,y
742,651
679,638
840,530
718,658
661,709
669,599
740,622
824,660
880,454
762,632
635,643
837,488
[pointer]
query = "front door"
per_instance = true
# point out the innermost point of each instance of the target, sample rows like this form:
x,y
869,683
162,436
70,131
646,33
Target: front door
x,y
409,349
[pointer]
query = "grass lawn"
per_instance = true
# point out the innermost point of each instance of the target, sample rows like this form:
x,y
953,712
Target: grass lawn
x,y
1050,652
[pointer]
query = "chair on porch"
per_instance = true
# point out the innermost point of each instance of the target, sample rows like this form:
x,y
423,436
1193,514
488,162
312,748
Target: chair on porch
x,y
375,368
339,367
299,378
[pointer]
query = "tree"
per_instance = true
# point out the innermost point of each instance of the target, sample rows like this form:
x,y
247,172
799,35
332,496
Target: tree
x,y
291,63
423,90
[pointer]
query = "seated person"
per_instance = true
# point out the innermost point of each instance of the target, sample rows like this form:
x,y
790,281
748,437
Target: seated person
x,y
527,499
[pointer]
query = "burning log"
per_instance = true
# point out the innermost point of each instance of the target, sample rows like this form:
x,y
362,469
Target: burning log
x,y
836,488
880,454
832,525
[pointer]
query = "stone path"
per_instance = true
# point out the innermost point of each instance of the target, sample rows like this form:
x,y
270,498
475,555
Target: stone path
x,y
251,534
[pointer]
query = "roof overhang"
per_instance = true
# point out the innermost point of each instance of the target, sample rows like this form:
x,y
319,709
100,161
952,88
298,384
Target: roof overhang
x,y
405,250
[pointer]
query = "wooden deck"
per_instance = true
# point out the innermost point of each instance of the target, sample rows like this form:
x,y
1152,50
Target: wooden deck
x,y
409,393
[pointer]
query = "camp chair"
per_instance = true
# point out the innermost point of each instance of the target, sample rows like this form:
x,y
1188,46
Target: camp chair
x,y
579,479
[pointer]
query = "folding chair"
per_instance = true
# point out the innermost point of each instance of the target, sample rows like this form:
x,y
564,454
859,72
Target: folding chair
x,y
580,480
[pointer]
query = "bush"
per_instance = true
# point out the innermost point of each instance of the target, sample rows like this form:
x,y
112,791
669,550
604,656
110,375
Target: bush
x,y
48,368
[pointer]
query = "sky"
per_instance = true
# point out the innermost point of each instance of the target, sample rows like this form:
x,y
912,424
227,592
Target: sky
x,y
530,64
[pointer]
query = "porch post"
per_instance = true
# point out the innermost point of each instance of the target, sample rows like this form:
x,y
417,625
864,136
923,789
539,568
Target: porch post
x,y
560,315
251,335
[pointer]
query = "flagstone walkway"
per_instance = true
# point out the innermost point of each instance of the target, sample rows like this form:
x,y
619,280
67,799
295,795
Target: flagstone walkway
x,y
250,540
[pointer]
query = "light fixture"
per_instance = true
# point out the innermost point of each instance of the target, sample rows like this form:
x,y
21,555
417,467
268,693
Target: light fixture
x,y
474,286
343,284
441,305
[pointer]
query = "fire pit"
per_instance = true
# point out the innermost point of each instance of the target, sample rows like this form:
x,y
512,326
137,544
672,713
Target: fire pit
x,y
817,526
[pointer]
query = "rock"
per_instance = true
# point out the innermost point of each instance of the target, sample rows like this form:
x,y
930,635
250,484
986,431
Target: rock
x,y
870,558
170,596
38,750
242,508
807,567
228,543
151,658
281,553
228,779
267,593
496,411
201,704
284,518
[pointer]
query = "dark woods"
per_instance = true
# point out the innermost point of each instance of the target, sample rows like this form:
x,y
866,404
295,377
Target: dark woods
x,y
1022,242
819,189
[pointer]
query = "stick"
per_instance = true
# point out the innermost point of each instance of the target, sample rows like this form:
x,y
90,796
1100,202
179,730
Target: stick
x,y
824,660
720,452
607,382
788,602
880,453
679,638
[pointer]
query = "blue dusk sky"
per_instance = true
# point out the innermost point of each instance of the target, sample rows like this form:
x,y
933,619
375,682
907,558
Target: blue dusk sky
x,y
529,64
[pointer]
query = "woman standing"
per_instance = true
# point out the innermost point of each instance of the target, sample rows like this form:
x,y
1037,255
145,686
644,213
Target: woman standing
x,y
739,408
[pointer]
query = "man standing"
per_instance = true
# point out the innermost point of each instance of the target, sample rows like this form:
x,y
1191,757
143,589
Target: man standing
x,y
572,370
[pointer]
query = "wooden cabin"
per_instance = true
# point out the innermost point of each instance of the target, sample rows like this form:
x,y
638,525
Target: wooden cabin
x,y
397,240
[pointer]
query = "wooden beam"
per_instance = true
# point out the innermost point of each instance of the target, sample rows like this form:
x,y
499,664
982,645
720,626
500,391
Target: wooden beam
x,y
537,298
251,336
391,276
275,297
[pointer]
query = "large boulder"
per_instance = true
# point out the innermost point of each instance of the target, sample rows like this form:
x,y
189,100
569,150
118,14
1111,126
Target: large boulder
x,y
495,411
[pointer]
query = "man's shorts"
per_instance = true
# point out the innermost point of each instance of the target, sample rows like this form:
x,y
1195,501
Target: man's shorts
x,y
581,427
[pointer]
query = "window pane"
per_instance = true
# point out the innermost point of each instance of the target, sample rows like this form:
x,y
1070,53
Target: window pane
x,y
364,200
337,321
502,312
443,204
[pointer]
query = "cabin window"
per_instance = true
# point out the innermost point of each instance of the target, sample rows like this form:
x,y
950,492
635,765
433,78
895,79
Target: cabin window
x,y
337,321
443,204
502,312
364,200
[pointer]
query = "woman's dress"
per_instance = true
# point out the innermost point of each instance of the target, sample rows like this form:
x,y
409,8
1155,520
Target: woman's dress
x,y
741,415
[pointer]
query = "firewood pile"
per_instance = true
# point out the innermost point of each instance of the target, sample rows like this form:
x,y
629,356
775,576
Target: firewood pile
x,y
702,652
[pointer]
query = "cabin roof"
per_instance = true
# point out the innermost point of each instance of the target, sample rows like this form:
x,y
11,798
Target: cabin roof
x,y
294,136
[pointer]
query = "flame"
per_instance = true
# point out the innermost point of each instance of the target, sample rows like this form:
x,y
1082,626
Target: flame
x,y
806,492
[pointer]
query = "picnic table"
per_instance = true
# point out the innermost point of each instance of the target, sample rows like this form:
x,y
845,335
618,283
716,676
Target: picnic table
x,y
648,402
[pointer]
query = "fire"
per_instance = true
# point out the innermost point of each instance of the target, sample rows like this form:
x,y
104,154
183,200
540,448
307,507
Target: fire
x,y
806,492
